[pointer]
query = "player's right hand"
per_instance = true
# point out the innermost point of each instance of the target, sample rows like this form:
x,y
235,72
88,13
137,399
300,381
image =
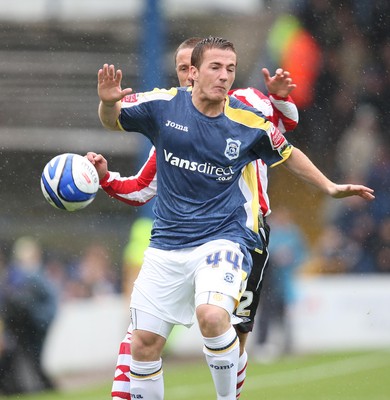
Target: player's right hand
x,y
99,162
109,85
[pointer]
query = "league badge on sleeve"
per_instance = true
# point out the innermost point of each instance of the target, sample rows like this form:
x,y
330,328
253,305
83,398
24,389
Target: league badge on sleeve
x,y
277,138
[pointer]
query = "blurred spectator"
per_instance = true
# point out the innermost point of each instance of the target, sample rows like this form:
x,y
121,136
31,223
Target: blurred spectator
x,y
382,244
93,275
333,253
287,253
28,308
56,271
358,225
291,47
4,343
358,145
379,179
133,254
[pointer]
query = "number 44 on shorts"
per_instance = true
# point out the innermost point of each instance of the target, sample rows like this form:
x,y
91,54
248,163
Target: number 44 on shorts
x,y
216,258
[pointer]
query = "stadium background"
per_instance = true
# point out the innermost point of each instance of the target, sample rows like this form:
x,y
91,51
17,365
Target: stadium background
x,y
51,51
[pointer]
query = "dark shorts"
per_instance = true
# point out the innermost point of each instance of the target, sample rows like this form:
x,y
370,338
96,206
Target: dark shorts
x,y
249,302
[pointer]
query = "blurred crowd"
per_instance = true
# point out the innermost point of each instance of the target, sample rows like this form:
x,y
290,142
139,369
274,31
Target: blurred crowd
x,y
353,42
32,287
350,106
339,55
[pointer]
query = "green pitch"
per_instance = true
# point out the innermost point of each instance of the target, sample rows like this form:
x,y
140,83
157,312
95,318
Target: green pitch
x,y
341,376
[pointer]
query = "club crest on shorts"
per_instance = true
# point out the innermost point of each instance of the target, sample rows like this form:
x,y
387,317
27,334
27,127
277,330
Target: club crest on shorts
x,y
232,149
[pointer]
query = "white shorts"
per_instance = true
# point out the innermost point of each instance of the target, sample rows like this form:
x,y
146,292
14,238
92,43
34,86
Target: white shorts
x,y
171,280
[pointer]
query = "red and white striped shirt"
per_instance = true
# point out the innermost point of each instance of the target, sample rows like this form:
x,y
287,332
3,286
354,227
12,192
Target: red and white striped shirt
x,y
139,189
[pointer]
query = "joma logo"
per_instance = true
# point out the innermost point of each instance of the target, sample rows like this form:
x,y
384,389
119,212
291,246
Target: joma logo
x,y
228,366
174,125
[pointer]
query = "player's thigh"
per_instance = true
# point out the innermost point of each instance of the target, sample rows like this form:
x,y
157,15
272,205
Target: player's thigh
x,y
219,271
164,287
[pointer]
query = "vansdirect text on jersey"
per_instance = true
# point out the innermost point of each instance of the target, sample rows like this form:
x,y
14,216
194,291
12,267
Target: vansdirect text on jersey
x,y
222,173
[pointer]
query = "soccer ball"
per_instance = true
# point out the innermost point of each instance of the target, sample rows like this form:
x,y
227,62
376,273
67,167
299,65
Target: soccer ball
x,y
69,182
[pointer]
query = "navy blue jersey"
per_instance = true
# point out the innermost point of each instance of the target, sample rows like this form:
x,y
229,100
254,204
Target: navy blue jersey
x,y
207,186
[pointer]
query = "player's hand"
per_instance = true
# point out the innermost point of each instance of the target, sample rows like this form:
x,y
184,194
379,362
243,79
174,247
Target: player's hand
x,y
109,85
347,190
280,84
99,162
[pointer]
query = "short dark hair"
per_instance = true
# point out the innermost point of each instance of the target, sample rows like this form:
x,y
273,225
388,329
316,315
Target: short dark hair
x,y
208,43
189,43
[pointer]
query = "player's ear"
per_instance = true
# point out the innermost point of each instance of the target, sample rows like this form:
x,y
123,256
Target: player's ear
x,y
193,73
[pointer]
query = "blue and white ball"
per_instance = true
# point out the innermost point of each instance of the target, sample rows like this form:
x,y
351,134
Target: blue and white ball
x,y
69,182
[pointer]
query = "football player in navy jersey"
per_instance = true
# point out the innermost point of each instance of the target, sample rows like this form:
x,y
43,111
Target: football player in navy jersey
x,y
206,210
136,190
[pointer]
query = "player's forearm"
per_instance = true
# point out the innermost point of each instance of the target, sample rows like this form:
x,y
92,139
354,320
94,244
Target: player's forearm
x,y
300,165
109,114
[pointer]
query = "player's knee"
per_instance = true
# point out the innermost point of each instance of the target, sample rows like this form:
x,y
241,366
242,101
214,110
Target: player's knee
x,y
213,320
146,346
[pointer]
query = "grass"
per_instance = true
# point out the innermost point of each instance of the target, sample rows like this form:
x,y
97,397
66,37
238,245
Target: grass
x,y
340,376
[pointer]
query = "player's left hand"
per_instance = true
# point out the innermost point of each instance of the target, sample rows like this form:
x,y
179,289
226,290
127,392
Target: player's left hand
x,y
347,190
280,84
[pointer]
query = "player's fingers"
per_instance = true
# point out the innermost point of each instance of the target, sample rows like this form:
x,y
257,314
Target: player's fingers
x,y
126,92
111,71
90,156
266,74
105,70
292,86
98,157
368,196
367,193
279,72
100,75
118,76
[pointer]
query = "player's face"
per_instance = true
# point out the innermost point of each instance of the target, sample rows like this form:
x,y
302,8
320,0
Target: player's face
x,y
216,74
183,62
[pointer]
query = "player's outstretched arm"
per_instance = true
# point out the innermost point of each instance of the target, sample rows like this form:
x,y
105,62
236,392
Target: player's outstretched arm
x,y
285,113
110,94
300,165
133,190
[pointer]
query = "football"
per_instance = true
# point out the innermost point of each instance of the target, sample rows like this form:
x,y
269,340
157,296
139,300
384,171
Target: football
x,y
69,182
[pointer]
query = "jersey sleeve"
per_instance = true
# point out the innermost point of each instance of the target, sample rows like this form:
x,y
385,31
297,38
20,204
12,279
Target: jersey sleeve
x,y
285,111
138,111
281,111
134,190
273,148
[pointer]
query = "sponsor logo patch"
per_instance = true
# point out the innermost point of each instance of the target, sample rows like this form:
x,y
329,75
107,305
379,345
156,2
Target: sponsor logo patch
x,y
130,98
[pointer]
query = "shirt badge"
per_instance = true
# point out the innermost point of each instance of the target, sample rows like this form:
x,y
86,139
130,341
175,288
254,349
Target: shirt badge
x,y
232,150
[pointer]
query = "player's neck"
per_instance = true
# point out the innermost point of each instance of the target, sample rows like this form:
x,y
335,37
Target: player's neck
x,y
208,107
